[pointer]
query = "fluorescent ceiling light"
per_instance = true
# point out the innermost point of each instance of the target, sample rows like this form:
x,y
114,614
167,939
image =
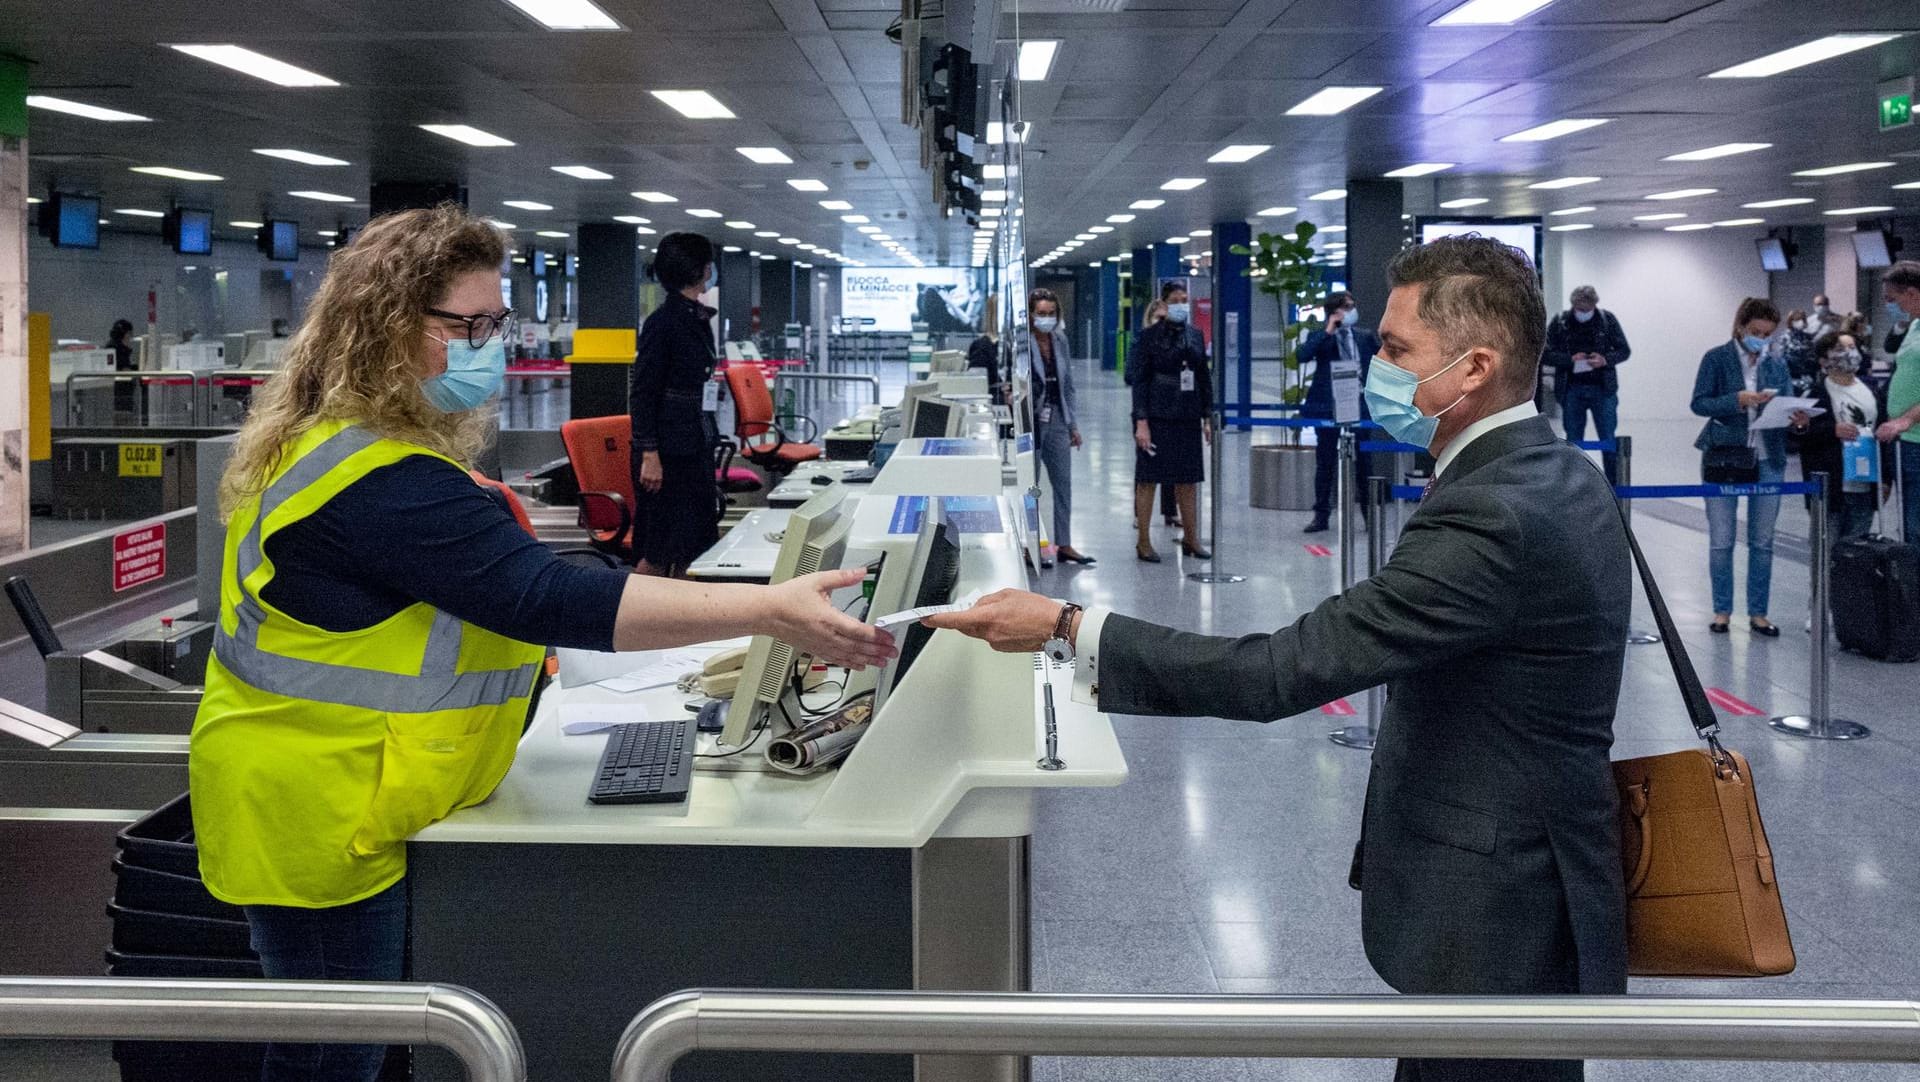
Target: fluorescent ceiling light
x,y
1420,169
248,62
498,224
632,219
175,174
730,248
1120,219
702,212
1099,229
1182,184
1693,227
248,225
1554,129
1569,228
997,132
583,172
870,229
1036,59
997,195
1146,204
644,231
82,109
654,197
994,172
1323,229
566,14
739,224
1085,236
1178,240
1800,56
855,219
835,204
1907,187
551,233
789,240
992,212
324,197
1563,182
1667,217
1742,221
1859,210
1275,212
1724,150
768,233
1329,194
694,104
1456,204
1490,12
524,204
468,134
136,212
807,185
1572,210
1771,203
1334,99
1836,170
764,155
301,156
1683,193
1208,232
1240,152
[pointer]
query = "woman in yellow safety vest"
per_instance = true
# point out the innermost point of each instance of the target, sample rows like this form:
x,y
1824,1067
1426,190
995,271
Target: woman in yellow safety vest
x,y
382,619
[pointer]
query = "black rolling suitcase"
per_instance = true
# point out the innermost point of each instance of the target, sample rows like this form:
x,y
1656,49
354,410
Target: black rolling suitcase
x,y
1874,592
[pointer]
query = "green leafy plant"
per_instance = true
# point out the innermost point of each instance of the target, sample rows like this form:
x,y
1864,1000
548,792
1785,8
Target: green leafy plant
x,y
1281,267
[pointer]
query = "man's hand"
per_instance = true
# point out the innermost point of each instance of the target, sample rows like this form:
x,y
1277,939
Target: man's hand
x,y
1595,360
1846,431
805,617
1892,430
1073,439
651,475
1010,621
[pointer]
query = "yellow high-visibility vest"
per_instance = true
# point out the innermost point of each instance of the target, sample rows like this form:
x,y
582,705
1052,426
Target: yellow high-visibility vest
x,y
316,753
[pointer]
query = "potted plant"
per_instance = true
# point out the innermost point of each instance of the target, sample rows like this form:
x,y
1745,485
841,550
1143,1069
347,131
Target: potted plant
x,y
1281,265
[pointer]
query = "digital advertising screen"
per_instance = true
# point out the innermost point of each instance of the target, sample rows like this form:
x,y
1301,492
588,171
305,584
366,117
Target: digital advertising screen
x,y
946,299
1521,233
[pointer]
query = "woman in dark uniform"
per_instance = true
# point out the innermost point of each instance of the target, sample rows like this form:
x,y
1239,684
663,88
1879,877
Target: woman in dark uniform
x,y
1172,405
671,399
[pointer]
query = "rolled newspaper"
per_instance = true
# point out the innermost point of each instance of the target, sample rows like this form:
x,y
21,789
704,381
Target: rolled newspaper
x,y
822,743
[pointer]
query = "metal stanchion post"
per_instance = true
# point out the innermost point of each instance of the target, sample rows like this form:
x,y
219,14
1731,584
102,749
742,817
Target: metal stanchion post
x,y
1362,736
1343,492
1213,487
1624,455
1819,723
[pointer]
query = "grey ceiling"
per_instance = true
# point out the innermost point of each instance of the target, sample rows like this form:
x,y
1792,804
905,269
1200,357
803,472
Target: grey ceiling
x,y
1143,90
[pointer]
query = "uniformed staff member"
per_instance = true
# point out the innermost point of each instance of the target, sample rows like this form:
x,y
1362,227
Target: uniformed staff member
x,y
380,615
671,397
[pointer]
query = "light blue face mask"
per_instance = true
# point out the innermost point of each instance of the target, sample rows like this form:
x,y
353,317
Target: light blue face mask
x,y
1898,313
1389,393
1178,313
1753,343
473,376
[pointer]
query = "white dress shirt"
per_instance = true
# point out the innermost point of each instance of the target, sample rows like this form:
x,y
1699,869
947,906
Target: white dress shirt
x,y
1524,411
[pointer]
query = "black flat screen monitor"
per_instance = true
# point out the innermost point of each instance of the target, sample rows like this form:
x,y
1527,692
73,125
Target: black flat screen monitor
x,y
280,240
930,420
936,588
1871,250
71,221
1773,254
189,231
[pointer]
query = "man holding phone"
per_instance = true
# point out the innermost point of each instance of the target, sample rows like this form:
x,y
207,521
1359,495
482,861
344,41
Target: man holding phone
x,y
1585,344
1344,344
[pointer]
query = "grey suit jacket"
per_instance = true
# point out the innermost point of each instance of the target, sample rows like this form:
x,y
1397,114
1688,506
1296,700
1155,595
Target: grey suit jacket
x,y
1489,859
1036,367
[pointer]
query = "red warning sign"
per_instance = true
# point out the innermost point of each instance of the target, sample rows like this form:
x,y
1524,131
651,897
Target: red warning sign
x,y
139,556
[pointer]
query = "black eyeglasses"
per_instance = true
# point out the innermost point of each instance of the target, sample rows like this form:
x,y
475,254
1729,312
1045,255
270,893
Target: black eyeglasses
x,y
482,327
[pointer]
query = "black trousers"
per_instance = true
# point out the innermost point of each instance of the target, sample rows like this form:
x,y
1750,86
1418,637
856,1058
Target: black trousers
x,y
1326,461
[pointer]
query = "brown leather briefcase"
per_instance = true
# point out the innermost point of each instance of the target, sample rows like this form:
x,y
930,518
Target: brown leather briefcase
x,y
1702,897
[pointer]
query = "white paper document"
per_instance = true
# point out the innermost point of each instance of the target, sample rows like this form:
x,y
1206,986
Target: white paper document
x,y
1581,366
900,619
1780,409
577,719
666,671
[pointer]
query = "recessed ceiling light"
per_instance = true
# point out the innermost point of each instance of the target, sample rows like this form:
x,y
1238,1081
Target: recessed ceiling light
x,y
524,204
1859,210
992,212
174,174
1085,236
583,172
1800,56
882,237
1907,187
1836,170
1553,130
702,212
694,104
1724,150
1769,204
1667,217
1692,227
1206,232
468,134
1334,99
1742,221
301,156
765,155
1490,12
323,197
1329,194
1099,229
807,185
1147,204
730,248
870,229
1563,182
632,219
1569,228
498,224
739,224
1274,212
1683,193
1420,169
855,219
1182,184
136,212
248,62
997,132
566,14
82,109
1572,210
1036,59
997,195
1240,152
1456,204
551,233
644,231
248,225
768,258
1178,240
789,240
654,197
835,204
768,233
1120,219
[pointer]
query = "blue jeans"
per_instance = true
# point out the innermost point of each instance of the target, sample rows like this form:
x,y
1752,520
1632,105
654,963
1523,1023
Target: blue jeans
x,y
1722,516
362,941
1053,446
1910,489
1582,400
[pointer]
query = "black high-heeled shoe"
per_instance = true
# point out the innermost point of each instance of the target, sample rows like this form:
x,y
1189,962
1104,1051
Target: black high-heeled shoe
x,y
1196,553
1146,555
1769,631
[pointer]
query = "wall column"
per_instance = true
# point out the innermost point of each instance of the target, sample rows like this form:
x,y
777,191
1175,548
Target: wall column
x,y
608,281
14,378
1111,317
1375,233
1233,312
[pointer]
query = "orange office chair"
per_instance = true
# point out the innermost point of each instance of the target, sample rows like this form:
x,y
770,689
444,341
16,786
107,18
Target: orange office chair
x,y
762,441
508,499
601,450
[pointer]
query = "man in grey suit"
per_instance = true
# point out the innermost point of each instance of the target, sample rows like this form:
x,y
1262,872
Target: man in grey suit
x,y
1489,858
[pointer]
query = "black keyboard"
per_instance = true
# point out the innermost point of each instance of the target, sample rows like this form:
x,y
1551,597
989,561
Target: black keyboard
x,y
647,762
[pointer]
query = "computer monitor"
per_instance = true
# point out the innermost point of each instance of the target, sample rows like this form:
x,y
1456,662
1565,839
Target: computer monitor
x,y
935,417
71,221
280,241
815,540
933,577
1773,254
188,231
946,361
1871,250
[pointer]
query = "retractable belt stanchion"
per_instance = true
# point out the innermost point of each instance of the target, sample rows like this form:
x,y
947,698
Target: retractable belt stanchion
x,y
1213,486
1624,456
1343,491
1362,736
1818,723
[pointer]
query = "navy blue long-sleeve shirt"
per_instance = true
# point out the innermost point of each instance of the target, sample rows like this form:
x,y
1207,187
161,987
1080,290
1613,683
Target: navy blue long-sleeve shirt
x,y
421,530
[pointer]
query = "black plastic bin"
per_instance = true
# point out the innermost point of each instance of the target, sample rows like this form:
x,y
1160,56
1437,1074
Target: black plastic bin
x,y
181,967
141,931
162,840
163,892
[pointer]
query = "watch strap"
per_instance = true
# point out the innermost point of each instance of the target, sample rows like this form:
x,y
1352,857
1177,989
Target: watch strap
x,y
1065,624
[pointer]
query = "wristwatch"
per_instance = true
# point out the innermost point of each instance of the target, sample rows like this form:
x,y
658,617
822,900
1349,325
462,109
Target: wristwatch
x,y
1060,648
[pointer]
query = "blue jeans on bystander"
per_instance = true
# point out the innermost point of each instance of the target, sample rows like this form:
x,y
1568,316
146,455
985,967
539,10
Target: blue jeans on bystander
x,y
361,941
1722,519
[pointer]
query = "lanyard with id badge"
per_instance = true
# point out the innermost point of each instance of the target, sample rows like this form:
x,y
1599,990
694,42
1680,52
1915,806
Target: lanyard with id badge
x,y
709,395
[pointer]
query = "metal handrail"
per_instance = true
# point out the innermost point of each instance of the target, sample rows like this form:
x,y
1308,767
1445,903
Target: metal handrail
x,y
872,382
464,1023
171,375
1556,1027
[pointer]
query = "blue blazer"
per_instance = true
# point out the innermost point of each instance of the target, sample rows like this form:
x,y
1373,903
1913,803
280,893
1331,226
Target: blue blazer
x,y
1323,349
1035,367
1716,391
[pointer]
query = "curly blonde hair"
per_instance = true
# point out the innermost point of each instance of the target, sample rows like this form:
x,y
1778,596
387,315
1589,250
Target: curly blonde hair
x,y
357,354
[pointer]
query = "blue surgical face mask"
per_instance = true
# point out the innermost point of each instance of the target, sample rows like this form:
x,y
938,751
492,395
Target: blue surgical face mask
x,y
1389,393
1178,313
1045,324
472,378
1898,313
1753,343
713,276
